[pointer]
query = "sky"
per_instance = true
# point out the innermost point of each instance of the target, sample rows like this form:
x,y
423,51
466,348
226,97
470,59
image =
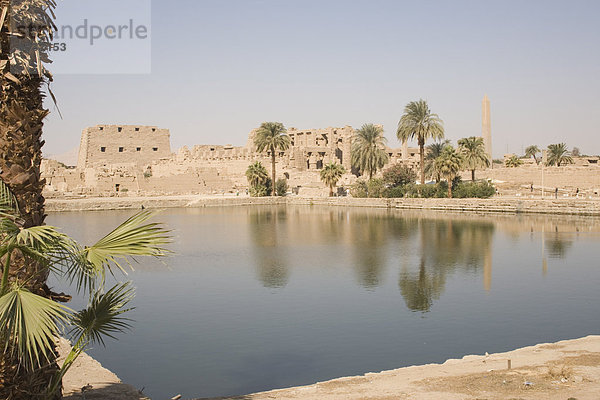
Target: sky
x,y
216,69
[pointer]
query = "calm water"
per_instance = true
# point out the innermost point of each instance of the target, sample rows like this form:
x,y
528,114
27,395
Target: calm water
x,y
258,298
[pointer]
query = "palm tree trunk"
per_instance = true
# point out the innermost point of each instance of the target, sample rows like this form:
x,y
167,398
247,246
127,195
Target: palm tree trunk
x,y
21,121
473,175
330,190
450,189
273,172
422,158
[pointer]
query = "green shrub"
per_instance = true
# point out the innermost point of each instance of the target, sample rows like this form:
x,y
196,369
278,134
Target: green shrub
x,y
359,189
375,188
261,190
281,187
482,190
399,175
395,191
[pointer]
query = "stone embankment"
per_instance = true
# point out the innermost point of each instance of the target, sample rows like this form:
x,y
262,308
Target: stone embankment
x,y
570,206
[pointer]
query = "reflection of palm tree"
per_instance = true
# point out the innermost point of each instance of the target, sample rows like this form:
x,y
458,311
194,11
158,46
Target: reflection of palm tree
x,y
269,258
445,246
369,236
419,291
558,245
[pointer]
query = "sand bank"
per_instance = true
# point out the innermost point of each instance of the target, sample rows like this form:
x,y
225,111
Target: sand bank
x,y
564,370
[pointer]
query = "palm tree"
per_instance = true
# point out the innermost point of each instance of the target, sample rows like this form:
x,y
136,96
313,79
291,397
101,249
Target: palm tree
x,y
418,122
433,151
368,149
473,152
532,151
513,162
22,76
331,174
29,322
449,164
272,136
258,178
558,154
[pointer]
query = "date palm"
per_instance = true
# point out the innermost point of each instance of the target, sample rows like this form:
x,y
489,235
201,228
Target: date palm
x,y
272,136
513,162
558,154
258,178
331,174
449,164
432,152
418,122
22,77
473,153
29,323
532,151
368,152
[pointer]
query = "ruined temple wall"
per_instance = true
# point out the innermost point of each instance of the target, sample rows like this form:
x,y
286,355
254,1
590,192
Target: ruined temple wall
x,y
112,144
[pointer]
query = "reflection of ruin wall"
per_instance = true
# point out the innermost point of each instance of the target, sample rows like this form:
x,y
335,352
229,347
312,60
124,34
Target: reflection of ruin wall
x,y
114,144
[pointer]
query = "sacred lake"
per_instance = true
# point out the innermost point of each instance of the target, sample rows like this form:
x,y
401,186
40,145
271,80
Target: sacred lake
x,y
263,297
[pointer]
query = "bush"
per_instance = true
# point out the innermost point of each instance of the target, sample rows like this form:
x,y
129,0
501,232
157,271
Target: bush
x,y
482,190
359,189
399,175
261,190
375,188
281,187
395,192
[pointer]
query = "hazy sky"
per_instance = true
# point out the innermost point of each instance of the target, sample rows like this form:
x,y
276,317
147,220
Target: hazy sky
x,y
221,67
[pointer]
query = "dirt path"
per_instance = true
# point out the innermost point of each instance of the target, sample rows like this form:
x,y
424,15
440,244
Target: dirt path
x,y
560,371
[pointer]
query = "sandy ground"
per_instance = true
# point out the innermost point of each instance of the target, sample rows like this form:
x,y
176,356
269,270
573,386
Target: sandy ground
x,y
566,370
88,380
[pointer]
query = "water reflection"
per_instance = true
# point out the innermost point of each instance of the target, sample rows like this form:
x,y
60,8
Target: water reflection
x,y
266,227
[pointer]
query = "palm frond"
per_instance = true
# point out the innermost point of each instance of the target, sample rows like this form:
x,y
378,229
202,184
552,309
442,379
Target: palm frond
x,y
103,316
8,201
30,324
134,237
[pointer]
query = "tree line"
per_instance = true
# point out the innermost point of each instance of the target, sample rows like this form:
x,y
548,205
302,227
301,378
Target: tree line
x,y
439,160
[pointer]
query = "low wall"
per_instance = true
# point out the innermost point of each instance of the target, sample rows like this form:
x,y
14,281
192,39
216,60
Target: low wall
x,y
495,205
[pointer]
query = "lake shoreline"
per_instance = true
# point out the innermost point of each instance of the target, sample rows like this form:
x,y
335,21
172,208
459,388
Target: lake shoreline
x,y
560,370
514,205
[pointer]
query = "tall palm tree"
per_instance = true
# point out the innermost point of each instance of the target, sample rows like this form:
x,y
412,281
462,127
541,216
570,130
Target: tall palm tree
x,y
449,164
532,151
473,152
418,122
432,152
331,174
558,154
368,149
272,136
22,76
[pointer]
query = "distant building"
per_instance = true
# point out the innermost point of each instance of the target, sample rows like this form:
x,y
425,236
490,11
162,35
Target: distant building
x,y
123,144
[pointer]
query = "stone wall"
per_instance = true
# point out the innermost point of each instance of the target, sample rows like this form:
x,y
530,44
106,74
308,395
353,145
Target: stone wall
x,y
119,144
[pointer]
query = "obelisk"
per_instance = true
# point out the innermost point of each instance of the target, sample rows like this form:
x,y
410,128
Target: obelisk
x,y
486,126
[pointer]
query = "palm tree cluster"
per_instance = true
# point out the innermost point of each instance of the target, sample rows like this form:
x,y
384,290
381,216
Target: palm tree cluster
x,y
513,162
